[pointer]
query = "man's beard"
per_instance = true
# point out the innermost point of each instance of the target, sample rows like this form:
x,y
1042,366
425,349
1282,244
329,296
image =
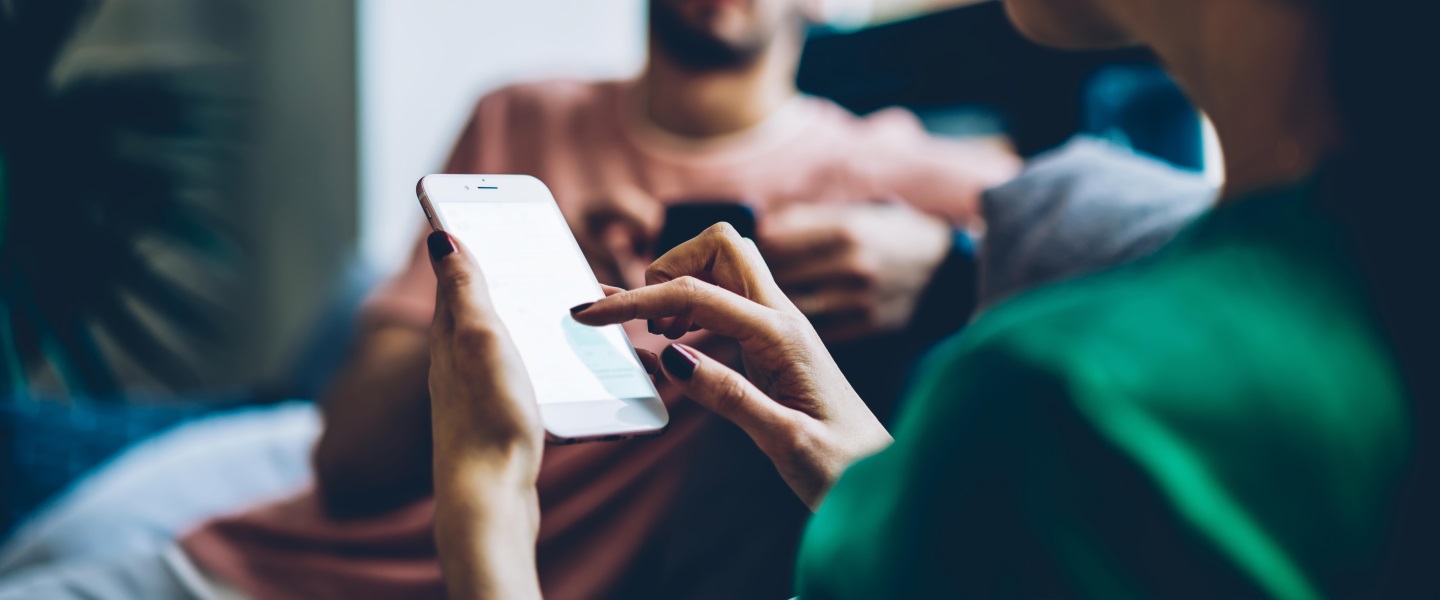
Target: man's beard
x,y
696,49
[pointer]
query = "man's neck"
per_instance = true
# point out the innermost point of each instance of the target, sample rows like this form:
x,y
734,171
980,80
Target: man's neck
x,y
701,104
1252,68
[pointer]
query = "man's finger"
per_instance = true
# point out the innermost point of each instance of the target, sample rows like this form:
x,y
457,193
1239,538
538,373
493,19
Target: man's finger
x,y
725,392
803,246
831,300
793,218
639,214
841,329
826,270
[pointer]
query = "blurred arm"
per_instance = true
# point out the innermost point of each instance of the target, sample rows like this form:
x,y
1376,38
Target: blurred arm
x,y
375,452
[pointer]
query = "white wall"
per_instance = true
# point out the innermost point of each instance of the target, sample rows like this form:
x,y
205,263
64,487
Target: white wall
x,y
424,63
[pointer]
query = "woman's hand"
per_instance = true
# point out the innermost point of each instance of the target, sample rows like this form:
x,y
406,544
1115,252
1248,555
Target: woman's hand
x,y
799,409
488,438
482,406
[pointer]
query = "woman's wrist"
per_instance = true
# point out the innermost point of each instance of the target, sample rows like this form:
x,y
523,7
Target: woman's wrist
x,y
487,520
489,455
468,468
490,503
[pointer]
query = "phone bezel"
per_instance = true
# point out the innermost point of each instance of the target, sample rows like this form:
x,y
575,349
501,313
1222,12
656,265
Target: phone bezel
x,y
565,422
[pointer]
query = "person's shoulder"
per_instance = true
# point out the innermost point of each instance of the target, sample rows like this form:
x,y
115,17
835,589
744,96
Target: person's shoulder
x,y
549,98
1079,209
1239,323
1077,337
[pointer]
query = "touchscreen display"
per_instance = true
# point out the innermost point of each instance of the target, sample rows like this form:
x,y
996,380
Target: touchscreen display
x,y
535,274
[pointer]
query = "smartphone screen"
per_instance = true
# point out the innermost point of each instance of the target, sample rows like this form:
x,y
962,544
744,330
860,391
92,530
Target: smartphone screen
x,y
535,272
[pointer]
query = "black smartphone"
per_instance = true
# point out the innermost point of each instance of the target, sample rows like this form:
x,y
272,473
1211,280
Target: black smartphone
x,y
687,219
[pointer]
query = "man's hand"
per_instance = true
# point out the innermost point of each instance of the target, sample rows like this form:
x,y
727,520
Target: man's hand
x,y
615,231
854,270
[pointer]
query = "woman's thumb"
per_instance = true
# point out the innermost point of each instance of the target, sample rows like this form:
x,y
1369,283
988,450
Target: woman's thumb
x,y
456,279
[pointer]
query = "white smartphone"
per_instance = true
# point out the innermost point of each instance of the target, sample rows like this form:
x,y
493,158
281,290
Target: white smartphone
x,y
590,384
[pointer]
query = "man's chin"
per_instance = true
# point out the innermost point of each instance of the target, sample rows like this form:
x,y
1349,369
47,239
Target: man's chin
x,y
700,47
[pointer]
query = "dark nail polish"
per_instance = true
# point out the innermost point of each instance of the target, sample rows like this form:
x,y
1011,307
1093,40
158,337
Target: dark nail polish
x,y
653,327
579,308
440,245
679,362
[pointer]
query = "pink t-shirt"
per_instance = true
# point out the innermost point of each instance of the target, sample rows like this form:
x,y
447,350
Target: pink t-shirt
x,y
696,512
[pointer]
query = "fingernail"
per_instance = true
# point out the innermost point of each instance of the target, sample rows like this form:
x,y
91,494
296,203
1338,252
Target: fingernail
x,y
678,361
440,245
579,308
653,327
